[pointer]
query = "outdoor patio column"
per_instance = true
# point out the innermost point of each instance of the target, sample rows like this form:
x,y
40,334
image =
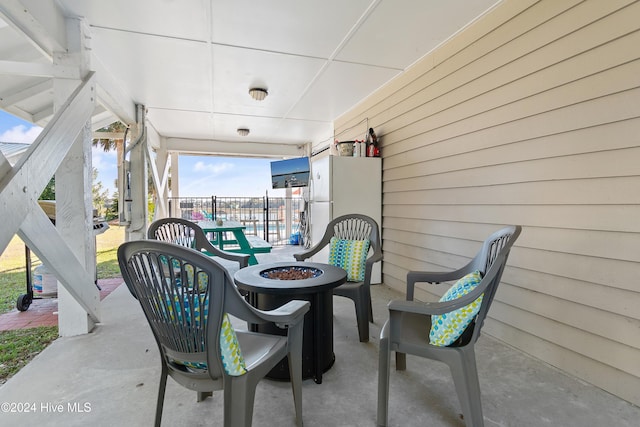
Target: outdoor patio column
x,y
288,211
159,166
175,180
137,191
74,202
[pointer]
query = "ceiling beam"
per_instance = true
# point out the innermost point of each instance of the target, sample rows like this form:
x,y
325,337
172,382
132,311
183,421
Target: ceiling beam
x,y
107,135
34,69
233,148
44,25
25,92
19,112
102,118
42,22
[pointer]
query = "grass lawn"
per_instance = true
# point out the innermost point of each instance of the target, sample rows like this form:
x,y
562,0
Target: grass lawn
x,y
18,347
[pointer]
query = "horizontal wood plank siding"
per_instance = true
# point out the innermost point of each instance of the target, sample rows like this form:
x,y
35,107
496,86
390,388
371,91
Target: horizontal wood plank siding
x,y
529,116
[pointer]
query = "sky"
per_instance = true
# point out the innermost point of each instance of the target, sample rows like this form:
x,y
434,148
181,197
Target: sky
x,y
199,176
225,177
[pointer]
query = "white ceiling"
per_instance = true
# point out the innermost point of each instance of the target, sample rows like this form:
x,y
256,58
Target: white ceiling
x,y
192,62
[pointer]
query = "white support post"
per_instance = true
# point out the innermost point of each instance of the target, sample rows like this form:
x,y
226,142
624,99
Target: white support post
x,y
163,165
122,183
158,162
74,220
288,211
165,184
74,201
175,182
137,227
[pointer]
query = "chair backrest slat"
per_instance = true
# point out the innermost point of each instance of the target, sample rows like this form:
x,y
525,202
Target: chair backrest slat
x,y
182,294
174,231
183,232
355,227
491,260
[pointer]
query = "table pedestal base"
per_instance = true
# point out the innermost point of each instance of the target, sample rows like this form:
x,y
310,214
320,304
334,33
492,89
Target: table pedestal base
x,y
317,342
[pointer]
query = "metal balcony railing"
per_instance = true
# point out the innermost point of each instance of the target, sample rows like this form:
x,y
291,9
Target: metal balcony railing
x,y
278,220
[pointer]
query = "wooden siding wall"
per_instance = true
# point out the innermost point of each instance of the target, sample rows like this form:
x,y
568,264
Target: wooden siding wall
x,y
530,116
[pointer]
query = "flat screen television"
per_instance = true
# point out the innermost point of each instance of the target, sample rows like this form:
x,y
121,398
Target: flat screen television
x,y
290,173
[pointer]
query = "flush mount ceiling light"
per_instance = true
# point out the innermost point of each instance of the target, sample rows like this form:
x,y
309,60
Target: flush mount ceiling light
x,y
243,131
258,94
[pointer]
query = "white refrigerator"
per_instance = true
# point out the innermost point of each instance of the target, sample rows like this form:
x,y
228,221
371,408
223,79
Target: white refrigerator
x,y
344,185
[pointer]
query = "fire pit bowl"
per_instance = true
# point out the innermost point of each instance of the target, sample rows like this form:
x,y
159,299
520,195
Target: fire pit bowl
x,y
290,278
291,273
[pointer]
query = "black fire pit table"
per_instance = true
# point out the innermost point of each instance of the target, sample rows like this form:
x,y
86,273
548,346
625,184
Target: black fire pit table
x,y
270,285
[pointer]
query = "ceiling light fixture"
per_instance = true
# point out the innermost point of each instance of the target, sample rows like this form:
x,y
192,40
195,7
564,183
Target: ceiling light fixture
x,y
258,94
243,131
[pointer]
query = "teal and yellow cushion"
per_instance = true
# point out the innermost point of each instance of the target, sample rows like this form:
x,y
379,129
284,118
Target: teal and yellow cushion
x,y
350,255
202,277
232,359
447,328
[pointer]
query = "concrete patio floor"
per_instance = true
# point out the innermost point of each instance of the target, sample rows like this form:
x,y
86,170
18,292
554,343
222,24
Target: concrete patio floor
x,y
110,376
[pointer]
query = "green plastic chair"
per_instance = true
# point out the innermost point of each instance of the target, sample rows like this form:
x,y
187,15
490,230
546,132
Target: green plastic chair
x,y
354,227
185,296
409,324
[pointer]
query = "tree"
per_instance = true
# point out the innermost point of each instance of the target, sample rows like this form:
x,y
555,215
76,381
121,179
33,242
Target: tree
x,y
111,209
109,144
49,192
99,194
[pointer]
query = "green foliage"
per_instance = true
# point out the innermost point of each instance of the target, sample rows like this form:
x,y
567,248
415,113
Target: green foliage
x,y
12,285
107,264
112,211
19,346
49,192
99,194
151,207
108,209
